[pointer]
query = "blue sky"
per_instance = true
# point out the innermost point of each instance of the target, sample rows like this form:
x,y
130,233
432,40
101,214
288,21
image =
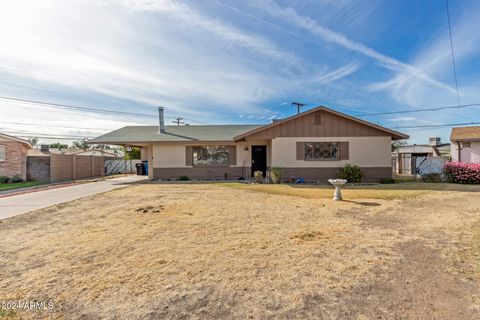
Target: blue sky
x,y
225,61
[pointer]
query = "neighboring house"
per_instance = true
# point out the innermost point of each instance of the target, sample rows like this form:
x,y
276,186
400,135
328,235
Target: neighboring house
x,y
13,156
465,144
44,150
404,157
312,145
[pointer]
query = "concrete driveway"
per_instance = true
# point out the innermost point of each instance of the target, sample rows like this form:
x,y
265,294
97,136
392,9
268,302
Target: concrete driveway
x,y
22,203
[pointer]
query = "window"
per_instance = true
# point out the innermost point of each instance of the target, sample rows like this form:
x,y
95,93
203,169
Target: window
x,y
210,156
2,152
466,145
322,151
318,118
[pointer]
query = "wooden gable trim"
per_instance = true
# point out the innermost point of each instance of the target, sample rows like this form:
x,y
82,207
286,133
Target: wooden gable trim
x,y
280,130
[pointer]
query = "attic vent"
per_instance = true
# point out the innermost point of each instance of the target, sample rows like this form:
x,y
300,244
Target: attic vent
x,y
318,118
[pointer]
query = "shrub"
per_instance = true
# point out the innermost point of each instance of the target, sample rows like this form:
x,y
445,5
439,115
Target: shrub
x,y
352,174
16,179
431,177
258,175
466,173
387,180
276,175
183,178
3,179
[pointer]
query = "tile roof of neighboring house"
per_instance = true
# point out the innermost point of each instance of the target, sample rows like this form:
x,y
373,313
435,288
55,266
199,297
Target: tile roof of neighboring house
x,y
139,134
465,134
25,142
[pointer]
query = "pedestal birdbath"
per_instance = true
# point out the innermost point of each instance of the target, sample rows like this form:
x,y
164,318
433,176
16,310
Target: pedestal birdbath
x,y
337,183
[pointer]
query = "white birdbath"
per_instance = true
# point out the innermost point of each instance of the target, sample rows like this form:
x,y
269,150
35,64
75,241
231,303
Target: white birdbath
x,y
338,183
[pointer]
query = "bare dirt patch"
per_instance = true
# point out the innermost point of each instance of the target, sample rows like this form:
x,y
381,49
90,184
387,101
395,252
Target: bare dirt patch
x,y
213,252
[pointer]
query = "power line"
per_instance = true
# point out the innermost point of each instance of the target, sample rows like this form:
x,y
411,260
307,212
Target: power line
x,y
453,55
72,107
178,121
419,110
66,106
437,125
37,135
52,126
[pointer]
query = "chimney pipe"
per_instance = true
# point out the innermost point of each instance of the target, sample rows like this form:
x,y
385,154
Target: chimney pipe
x,y
161,120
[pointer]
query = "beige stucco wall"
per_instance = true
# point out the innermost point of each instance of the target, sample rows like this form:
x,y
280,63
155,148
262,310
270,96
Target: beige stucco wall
x,y
244,158
172,155
363,152
468,155
168,155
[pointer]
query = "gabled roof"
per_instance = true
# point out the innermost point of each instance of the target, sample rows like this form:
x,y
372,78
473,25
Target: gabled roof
x,y
465,134
394,134
25,142
141,134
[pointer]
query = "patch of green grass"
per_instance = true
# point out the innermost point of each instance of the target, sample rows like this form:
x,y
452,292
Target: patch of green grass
x,y
376,191
8,314
18,185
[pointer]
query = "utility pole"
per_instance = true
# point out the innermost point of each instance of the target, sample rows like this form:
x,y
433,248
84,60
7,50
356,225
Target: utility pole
x,y
178,121
298,105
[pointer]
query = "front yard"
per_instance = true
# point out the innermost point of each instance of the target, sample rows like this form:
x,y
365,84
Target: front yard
x,y
222,251
18,185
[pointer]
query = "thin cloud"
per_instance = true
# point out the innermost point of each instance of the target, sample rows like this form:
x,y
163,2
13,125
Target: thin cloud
x,y
291,16
338,73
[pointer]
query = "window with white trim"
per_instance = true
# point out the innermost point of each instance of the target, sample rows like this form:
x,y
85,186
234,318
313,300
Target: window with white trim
x,y
2,152
322,151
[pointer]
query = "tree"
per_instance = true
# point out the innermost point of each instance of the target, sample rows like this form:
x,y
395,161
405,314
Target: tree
x,y
134,154
102,146
398,143
58,145
33,141
81,145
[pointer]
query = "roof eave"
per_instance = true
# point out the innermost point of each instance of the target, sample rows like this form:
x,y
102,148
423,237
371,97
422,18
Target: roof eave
x,y
394,134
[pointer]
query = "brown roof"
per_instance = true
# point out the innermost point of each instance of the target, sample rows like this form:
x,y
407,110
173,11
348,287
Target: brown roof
x,y
394,134
25,142
465,134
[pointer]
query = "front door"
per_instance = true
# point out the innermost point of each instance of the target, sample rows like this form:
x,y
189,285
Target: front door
x,y
259,159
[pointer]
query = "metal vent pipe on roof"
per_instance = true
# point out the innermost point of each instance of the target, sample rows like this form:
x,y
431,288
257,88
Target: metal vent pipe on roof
x,y
161,120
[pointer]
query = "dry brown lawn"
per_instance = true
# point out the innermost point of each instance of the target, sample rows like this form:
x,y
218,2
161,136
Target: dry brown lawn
x,y
208,251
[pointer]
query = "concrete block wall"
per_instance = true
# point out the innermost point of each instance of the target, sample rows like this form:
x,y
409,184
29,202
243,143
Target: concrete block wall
x,y
71,167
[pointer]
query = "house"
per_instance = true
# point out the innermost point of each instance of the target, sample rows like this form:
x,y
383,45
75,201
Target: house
x,y
404,158
44,150
312,145
13,156
465,145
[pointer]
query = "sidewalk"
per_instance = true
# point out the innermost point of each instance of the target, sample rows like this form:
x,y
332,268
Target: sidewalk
x,y
16,204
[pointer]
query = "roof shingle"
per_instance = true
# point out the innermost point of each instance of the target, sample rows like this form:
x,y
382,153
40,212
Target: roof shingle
x,y
465,133
139,134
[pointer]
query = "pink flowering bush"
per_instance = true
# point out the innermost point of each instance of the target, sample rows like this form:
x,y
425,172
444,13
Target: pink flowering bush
x,y
467,173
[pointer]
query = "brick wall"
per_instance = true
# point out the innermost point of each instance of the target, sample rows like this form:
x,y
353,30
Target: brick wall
x,y
15,163
198,173
321,175
314,175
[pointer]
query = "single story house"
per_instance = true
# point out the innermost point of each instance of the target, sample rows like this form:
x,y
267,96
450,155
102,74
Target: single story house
x,y
465,145
404,158
13,156
44,150
312,145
